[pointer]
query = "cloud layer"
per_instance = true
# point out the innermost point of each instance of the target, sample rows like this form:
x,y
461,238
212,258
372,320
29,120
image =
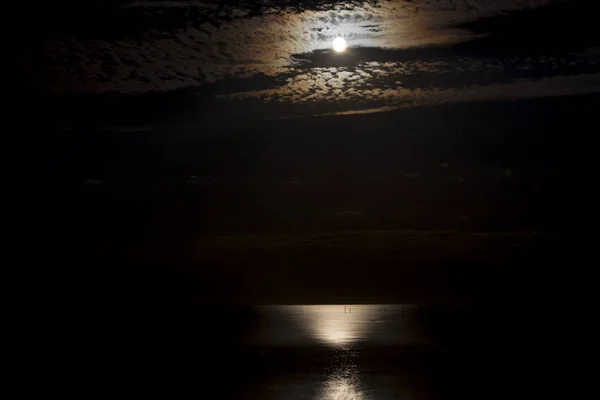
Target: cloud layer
x,y
399,53
149,46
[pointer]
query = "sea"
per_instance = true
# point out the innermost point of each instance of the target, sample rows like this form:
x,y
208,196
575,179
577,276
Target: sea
x,y
335,351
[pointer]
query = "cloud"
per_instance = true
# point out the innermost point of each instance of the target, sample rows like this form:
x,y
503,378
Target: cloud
x,y
370,99
276,57
422,245
198,180
203,42
347,213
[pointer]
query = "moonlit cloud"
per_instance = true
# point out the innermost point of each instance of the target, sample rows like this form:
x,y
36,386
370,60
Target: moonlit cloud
x,y
368,99
218,42
280,53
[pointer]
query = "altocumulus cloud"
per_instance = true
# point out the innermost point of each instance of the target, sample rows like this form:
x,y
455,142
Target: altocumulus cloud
x,y
397,57
209,41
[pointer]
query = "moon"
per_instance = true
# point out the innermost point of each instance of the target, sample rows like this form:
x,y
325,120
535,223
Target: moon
x,y
339,44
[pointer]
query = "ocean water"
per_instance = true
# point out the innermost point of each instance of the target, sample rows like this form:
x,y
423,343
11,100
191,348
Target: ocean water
x,y
339,352
343,352
336,326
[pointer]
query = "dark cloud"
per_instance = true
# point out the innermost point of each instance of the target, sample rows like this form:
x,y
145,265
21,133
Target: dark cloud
x,y
359,96
148,46
374,245
402,53
347,213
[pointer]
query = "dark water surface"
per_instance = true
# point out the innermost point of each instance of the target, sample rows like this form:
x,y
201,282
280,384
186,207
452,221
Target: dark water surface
x,y
333,352
340,352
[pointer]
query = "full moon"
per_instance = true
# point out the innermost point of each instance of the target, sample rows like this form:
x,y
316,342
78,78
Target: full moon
x,y
339,44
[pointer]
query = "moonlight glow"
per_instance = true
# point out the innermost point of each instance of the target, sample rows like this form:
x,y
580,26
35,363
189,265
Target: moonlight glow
x,y
339,44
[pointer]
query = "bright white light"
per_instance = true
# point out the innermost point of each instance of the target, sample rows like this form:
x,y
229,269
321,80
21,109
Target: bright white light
x,y
339,44
341,388
332,325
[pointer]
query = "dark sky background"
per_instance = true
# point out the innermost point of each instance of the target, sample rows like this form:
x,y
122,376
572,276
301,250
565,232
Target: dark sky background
x,y
223,147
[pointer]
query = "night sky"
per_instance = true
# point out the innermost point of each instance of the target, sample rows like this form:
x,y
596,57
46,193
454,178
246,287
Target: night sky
x,y
225,148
